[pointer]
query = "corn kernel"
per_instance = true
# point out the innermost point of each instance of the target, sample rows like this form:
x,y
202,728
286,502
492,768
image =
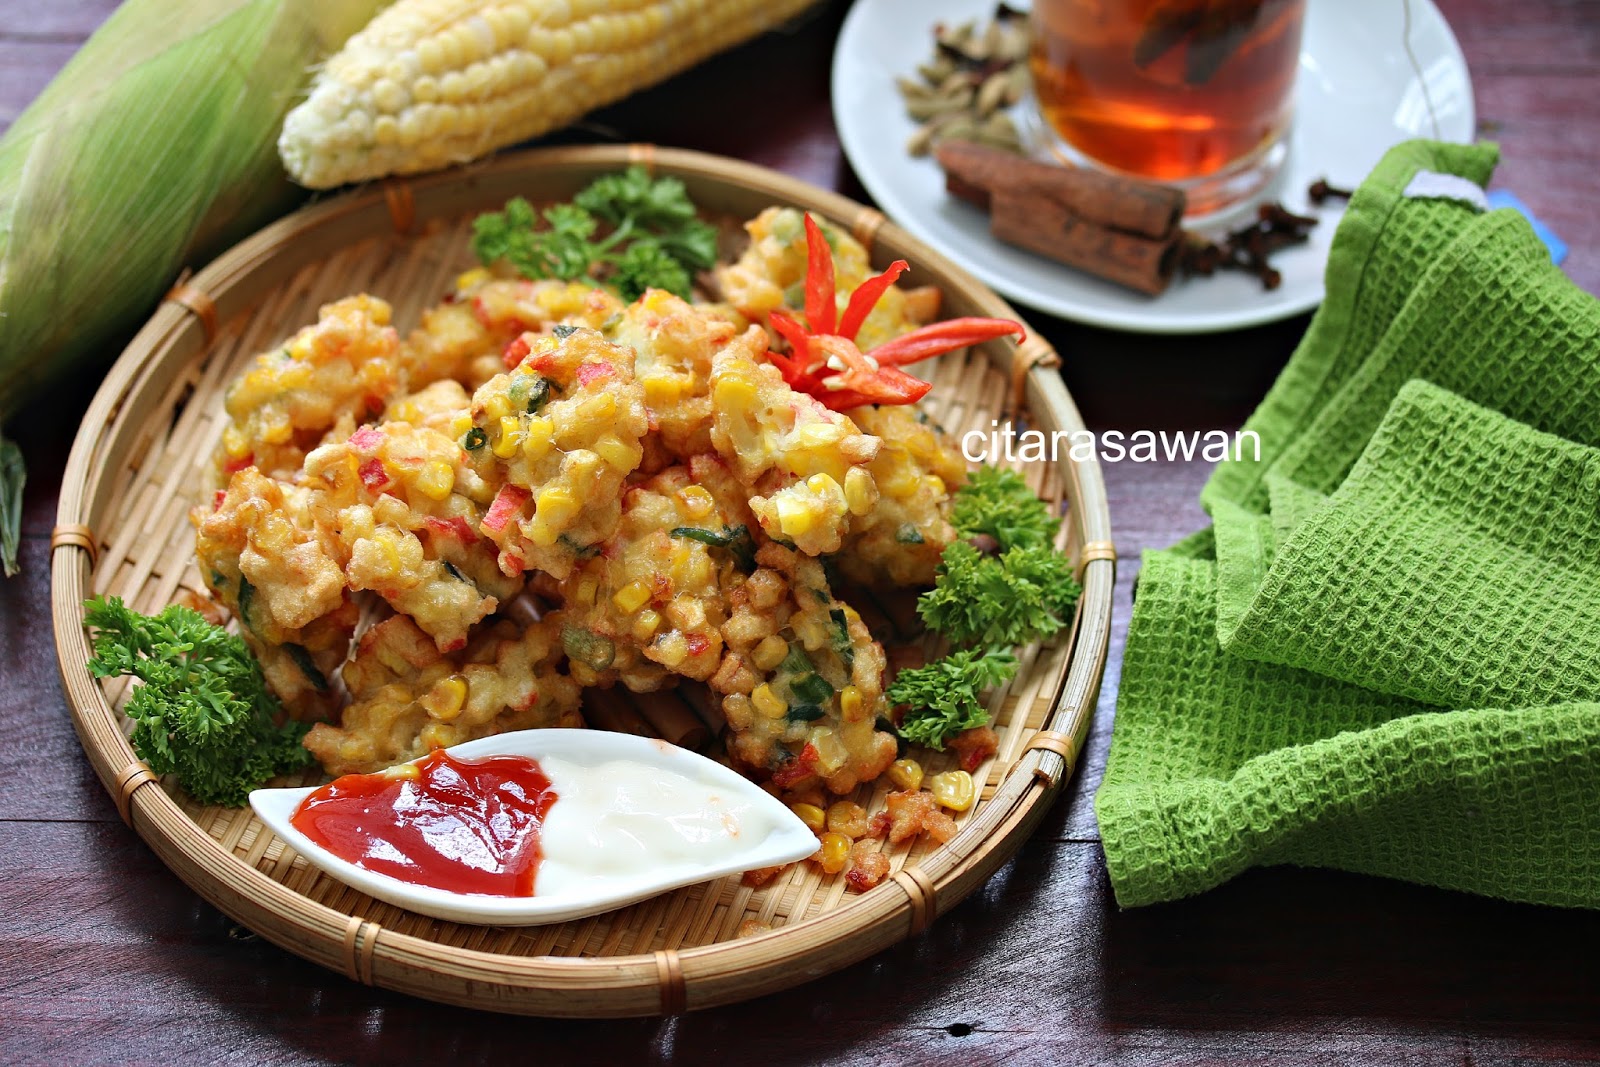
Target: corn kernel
x,y
471,278
588,589
645,625
540,532
833,853
850,703
278,431
619,454
735,393
907,774
446,699
234,444
497,407
631,597
770,652
696,501
769,703
844,815
460,425
822,485
596,408
818,434
796,518
831,751
437,479
663,390
811,815
953,789
859,491
538,436
388,555
510,439
670,650
405,411
556,506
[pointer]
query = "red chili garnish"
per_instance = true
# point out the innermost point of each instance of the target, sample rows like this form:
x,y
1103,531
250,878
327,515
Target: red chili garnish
x,y
216,502
507,503
589,373
697,644
366,439
455,527
515,352
855,379
234,466
373,475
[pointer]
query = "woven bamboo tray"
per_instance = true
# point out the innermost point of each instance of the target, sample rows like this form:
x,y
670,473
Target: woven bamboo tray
x,y
139,463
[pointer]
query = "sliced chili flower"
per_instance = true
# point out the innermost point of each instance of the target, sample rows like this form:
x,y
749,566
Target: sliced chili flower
x,y
820,292
825,361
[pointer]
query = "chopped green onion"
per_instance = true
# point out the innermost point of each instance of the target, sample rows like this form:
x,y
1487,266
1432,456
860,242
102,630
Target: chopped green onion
x,y
563,331
908,534
812,689
804,713
474,439
595,651
302,659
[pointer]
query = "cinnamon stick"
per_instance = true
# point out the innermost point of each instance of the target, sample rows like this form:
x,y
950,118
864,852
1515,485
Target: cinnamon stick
x,y
1120,229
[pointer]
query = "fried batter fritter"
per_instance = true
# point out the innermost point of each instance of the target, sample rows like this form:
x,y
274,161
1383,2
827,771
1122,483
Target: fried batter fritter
x,y
262,555
342,370
405,506
805,466
803,678
652,601
899,541
409,698
558,435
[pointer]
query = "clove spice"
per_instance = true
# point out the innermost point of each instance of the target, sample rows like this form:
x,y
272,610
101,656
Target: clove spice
x,y
1249,248
1322,190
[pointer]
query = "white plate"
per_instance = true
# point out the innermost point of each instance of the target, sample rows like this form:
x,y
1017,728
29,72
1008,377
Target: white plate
x,y
1357,94
789,841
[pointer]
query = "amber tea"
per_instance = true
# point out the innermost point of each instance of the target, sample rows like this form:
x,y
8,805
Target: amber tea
x,y
1173,90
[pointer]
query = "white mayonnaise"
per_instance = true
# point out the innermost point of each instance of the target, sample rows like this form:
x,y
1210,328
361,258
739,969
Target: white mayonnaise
x,y
620,820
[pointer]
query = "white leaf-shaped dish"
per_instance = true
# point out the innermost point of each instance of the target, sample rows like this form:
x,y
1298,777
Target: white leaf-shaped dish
x,y
650,850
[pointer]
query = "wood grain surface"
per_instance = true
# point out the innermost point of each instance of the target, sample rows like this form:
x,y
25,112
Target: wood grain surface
x,y
108,958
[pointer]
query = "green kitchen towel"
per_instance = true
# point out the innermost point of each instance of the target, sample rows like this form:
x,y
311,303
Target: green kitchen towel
x,y
1457,565
1220,763
1384,655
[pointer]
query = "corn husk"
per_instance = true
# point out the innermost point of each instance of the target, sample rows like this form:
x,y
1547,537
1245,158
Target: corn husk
x,y
152,149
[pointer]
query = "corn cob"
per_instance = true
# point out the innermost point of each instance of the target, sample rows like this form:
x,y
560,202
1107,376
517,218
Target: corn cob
x,y
434,82
151,149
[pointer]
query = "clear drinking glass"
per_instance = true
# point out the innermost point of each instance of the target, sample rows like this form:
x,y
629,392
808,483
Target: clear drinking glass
x,y
1195,93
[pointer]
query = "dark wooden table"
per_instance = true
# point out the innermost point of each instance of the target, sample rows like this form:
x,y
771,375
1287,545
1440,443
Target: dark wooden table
x,y
107,958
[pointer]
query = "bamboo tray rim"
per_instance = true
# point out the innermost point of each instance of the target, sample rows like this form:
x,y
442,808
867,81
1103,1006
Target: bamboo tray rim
x,y
179,334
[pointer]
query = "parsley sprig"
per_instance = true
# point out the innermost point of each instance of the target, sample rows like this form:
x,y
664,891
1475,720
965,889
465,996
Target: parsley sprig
x,y
943,696
204,711
655,237
989,602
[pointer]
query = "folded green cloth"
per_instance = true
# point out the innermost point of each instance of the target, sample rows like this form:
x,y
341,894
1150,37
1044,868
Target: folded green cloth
x,y
1403,548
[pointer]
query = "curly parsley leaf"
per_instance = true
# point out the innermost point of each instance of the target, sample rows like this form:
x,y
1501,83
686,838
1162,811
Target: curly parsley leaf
x,y
1023,595
203,712
633,196
646,265
942,697
655,238
999,503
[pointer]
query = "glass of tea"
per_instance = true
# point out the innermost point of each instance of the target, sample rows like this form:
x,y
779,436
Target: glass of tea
x,y
1195,93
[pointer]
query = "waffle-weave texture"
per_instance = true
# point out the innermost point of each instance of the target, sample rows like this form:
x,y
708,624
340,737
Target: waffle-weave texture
x,y
1384,656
